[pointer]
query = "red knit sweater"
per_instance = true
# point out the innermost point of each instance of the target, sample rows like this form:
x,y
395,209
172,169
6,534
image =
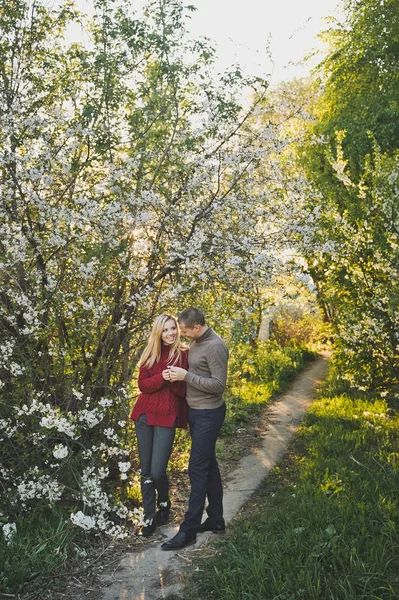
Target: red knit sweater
x,y
162,401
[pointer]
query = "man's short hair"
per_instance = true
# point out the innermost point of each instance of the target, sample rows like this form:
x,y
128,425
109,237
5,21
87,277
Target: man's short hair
x,y
191,317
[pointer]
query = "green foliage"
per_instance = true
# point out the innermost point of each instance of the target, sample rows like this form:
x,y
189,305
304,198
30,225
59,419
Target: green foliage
x,y
360,78
300,329
325,522
181,451
256,372
267,362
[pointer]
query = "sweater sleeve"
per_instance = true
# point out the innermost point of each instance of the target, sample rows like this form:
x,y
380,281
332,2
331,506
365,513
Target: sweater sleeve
x,y
216,383
147,383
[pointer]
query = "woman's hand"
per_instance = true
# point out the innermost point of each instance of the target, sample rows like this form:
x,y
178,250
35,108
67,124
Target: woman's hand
x,y
166,374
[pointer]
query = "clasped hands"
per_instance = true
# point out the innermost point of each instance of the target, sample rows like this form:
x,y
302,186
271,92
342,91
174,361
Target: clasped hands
x,y
174,374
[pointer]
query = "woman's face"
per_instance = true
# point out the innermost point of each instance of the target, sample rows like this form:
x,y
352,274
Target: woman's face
x,y
169,332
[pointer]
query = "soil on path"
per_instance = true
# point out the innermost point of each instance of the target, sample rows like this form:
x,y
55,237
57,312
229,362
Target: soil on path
x,y
136,568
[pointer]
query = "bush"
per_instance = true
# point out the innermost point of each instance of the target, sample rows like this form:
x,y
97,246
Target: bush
x,y
267,362
293,325
256,373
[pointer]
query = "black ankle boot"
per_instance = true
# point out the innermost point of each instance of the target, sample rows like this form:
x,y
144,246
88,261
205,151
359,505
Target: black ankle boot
x,y
162,514
149,527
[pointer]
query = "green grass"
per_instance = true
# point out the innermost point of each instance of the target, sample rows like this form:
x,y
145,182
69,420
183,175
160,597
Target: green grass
x,y
325,523
43,544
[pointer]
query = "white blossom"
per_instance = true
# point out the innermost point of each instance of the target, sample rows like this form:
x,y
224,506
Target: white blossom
x,y
60,451
83,521
9,531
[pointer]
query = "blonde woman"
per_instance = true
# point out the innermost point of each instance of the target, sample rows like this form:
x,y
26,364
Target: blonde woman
x,y
160,408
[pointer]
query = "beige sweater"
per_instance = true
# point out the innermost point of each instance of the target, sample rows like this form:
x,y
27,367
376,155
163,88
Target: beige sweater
x,y
207,371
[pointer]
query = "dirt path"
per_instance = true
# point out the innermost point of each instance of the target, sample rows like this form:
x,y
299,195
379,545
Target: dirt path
x,y
152,574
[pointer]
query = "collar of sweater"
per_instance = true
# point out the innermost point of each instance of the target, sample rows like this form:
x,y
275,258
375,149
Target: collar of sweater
x,y
205,335
165,349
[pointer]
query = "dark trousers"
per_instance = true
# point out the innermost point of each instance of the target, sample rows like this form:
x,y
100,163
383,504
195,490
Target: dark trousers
x,y
203,469
155,445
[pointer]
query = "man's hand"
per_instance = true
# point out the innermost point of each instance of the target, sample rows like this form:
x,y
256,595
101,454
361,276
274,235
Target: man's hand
x,y
177,374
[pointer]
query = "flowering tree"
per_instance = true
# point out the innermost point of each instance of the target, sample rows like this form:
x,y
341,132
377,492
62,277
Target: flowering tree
x,y
126,187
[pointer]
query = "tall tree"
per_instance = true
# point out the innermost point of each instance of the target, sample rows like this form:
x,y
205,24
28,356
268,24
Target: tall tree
x,y
347,212
360,79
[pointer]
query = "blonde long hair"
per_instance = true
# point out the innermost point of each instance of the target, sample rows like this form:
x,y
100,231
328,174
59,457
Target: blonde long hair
x,y
152,351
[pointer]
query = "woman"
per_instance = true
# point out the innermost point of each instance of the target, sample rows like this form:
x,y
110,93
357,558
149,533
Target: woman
x,y
160,408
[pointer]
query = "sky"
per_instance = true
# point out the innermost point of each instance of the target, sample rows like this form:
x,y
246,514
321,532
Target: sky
x,y
243,30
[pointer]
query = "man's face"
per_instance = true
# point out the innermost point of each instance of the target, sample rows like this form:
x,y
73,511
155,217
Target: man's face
x,y
191,333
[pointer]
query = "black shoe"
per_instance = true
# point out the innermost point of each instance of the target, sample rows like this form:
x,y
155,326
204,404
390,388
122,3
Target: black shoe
x,y
162,515
180,540
207,526
149,527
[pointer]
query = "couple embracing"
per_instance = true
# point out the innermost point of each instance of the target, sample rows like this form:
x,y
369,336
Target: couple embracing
x,y
179,385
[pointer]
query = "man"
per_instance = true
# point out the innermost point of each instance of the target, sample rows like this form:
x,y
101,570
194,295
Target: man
x,y
206,382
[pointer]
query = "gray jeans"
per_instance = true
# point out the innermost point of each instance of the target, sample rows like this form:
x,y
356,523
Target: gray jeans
x,y
155,445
